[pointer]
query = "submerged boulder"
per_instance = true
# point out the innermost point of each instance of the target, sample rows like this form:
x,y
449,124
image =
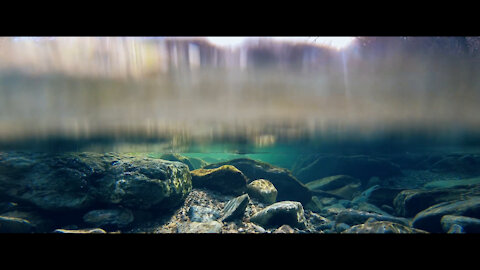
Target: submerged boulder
x,y
429,219
467,224
288,187
225,179
354,217
235,208
281,213
409,202
64,182
358,166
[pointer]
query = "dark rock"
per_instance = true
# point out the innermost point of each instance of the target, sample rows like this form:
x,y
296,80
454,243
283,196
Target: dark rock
x,y
429,219
288,187
340,227
354,217
281,213
235,208
379,195
262,190
408,203
382,227
463,164
361,167
468,224
15,225
202,214
63,182
109,217
224,179
342,185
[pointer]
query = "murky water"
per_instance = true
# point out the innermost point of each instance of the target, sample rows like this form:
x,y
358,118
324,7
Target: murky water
x,y
288,105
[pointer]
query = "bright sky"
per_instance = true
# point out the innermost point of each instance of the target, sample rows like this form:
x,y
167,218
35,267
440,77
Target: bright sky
x,y
335,42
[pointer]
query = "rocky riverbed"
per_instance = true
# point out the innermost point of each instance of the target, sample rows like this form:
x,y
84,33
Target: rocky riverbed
x,y
320,194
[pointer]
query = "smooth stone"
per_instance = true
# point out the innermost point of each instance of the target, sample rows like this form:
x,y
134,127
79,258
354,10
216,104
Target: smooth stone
x,y
354,217
109,217
262,190
456,229
15,225
280,213
81,231
378,195
343,186
225,179
410,202
200,227
429,219
382,227
288,187
235,208
284,229
468,224
340,227
202,214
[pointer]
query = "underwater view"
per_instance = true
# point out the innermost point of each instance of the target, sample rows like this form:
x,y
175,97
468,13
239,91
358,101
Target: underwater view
x,y
240,135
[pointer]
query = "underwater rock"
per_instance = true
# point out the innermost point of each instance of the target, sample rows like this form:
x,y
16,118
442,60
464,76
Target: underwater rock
x,y
409,202
381,227
288,187
354,217
75,181
81,231
429,219
456,229
284,229
192,163
457,183
359,166
340,227
200,227
15,225
235,208
40,223
378,195
343,186
109,217
468,224
224,179
464,164
144,183
202,214
262,190
281,213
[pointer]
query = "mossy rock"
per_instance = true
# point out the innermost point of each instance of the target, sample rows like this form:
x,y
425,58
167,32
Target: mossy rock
x,y
191,162
262,190
288,187
224,179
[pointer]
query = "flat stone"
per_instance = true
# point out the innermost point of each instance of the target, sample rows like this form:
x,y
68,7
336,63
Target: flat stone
x,y
280,213
235,208
382,227
109,217
81,231
202,214
200,227
354,217
15,225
